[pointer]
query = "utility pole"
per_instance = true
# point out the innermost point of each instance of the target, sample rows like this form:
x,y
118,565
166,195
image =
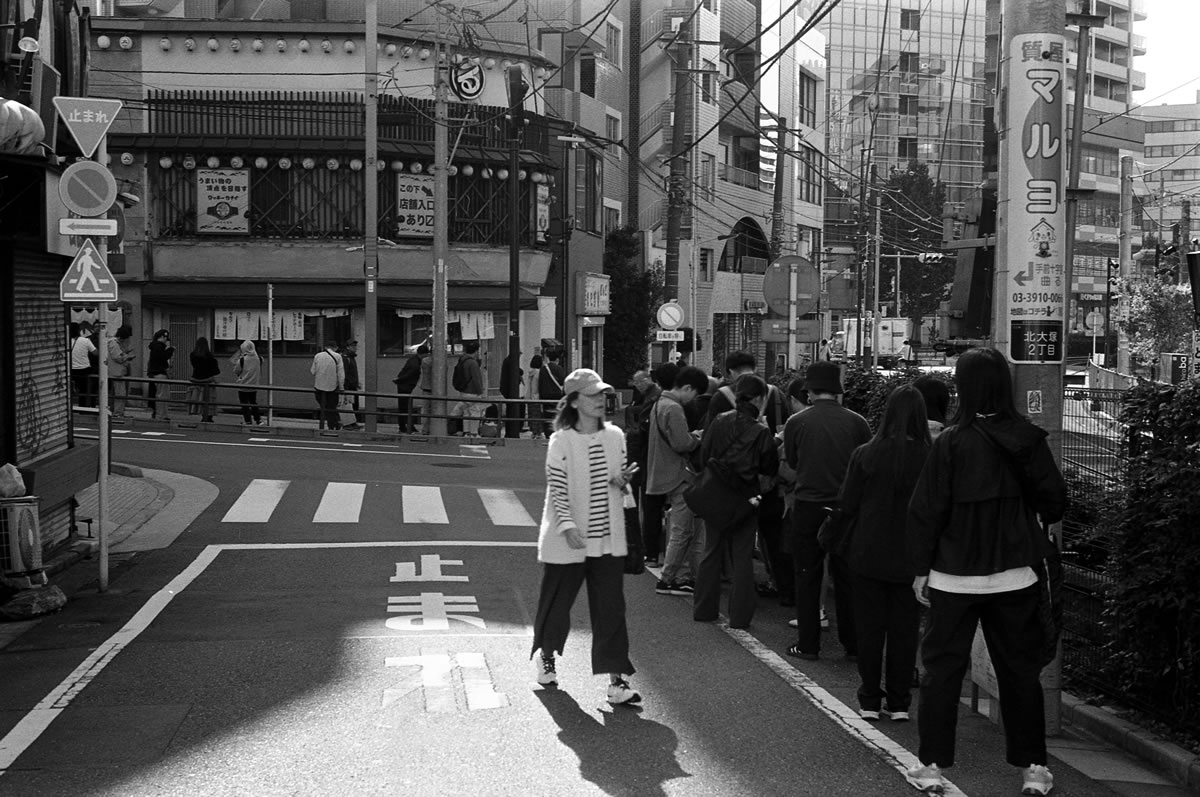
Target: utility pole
x,y
633,127
517,88
677,181
1126,258
777,231
1031,287
371,211
441,239
875,200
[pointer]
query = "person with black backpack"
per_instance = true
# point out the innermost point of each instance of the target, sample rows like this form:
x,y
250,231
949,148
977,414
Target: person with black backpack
x,y
468,380
637,447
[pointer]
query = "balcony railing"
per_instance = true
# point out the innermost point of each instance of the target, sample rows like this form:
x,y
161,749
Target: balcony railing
x,y
742,177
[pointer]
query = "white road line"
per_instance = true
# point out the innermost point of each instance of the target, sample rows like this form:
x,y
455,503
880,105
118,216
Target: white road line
x,y
34,723
859,729
423,504
341,503
478,452
505,509
257,502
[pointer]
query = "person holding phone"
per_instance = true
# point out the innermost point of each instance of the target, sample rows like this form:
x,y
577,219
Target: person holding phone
x,y
582,535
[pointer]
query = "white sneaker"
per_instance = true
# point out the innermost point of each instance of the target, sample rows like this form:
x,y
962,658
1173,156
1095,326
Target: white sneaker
x,y
1036,779
620,692
897,716
546,674
824,620
868,714
927,779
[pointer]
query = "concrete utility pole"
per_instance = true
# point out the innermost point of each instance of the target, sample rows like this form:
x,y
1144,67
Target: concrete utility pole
x,y
436,424
777,231
1031,288
1126,257
371,211
633,124
677,192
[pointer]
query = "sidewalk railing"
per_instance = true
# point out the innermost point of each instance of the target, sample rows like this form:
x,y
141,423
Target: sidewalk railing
x,y
491,413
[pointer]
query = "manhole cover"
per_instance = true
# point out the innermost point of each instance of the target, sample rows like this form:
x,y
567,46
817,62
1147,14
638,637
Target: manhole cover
x,y
451,465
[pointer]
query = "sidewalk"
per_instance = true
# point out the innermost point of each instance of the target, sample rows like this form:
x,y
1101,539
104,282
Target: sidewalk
x,y
149,509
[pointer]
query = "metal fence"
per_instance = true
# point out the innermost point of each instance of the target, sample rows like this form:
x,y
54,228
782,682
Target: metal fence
x,y
1092,464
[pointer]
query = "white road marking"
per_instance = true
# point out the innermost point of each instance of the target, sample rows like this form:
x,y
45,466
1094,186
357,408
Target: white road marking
x,y
423,504
339,449
859,729
478,452
341,503
257,502
505,509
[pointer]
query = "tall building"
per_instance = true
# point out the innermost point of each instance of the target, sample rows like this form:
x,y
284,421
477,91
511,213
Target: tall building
x,y
1170,172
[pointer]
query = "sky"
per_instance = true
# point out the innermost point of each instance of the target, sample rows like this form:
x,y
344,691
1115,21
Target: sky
x,y
1171,63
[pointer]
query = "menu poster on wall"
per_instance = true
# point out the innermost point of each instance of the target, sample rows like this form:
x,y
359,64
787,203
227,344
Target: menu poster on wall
x,y
222,199
414,205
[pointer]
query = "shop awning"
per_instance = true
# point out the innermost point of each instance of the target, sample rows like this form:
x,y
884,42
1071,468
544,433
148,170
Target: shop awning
x,y
305,295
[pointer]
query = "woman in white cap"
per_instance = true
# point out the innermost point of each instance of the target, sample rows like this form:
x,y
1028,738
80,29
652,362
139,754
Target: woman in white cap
x,y
582,535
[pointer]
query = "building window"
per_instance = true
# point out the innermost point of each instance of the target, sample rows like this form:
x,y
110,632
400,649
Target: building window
x,y
612,43
612,130
910,62
708,176
587,74
910,20
908,104
807,108
612,219
706,265
593,193
906,149
808,176
708,82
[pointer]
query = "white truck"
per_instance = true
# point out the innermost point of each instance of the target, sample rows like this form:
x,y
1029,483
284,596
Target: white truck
x,y
894,334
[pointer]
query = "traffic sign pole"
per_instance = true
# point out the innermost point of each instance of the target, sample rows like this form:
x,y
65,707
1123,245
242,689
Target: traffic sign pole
x,y
102,405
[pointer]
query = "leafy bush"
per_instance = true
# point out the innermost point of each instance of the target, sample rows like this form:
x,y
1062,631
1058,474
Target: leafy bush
x,y
1154,628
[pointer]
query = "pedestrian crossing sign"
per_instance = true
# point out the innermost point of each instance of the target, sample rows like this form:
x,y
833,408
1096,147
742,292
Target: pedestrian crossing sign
x,y
88,279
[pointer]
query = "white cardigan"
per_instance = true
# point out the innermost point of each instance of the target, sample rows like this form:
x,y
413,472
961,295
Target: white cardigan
x,y
569,451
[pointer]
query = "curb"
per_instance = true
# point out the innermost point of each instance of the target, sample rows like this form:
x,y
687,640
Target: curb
x,y
1174,761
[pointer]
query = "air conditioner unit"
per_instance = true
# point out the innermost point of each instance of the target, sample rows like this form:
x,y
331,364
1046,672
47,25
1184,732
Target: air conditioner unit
x,y
21,543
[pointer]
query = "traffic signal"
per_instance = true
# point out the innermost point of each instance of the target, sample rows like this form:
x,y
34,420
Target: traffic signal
x,y
930,257
518,87
1193,266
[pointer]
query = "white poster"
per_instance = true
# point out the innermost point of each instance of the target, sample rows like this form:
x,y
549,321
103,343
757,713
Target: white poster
x,y
222,199
542,212
414,205
247,325
292,323
225,324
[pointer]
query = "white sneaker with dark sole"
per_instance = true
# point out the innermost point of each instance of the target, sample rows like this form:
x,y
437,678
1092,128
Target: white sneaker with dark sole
x,y
1036,780
621,693
546,674
927,779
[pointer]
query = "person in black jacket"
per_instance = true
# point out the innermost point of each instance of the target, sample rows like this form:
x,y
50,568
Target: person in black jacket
x,y
875,494
743,449
205,370
976,546
406,382
158,367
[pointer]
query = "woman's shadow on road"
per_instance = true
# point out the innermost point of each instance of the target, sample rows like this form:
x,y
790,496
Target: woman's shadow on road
x,y
621,752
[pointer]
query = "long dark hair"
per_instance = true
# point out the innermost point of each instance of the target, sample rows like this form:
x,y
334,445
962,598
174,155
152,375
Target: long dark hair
x,y
904,417
984,385
202,349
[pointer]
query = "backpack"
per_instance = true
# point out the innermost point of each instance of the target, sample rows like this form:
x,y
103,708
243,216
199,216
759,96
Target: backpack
x,y
461,379
775,410
637,437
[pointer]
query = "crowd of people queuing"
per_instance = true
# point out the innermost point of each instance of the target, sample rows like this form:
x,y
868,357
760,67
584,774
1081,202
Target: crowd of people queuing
x,y
924,522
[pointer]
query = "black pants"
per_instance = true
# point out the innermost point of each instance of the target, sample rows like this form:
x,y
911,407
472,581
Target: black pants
x,y
653,509
404,413
514,418
809,562
327,413
81,386
770,532
733,537
249,401
1014,641
606,604
886,614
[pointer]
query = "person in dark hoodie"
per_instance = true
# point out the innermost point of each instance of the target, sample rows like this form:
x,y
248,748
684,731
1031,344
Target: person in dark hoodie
x,y
879,483
976,545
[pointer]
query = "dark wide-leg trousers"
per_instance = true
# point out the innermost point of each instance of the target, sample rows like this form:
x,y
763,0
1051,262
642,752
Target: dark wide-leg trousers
x,y
1014,640
605,577
734,537
886,615
809,561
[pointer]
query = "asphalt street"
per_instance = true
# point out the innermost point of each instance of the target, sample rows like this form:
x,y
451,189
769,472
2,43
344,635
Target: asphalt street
x,y
354,618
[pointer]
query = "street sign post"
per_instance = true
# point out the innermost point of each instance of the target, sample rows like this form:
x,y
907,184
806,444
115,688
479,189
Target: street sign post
x,y
101,227
670,315
88,279
87,119
668,335
87,188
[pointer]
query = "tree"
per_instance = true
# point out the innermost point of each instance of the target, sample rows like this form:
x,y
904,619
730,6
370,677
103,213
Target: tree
x,y
911,211
634,296
1158,319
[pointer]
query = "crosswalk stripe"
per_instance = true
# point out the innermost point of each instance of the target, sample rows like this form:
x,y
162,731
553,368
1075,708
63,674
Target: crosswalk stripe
x,y
341,503
257,502
505,509
423,504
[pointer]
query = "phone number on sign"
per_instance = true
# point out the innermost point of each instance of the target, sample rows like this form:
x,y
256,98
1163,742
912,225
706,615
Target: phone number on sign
x,y
1036,298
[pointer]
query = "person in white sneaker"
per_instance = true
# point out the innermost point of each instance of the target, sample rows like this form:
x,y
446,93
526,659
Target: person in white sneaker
x,y
976,543
582,535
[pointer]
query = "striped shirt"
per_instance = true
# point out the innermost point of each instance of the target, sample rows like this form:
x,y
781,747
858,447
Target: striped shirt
x,y
599,532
